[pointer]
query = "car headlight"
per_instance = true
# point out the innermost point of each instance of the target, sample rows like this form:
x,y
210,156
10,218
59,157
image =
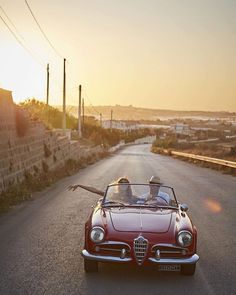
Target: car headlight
x,y
97,234
185,238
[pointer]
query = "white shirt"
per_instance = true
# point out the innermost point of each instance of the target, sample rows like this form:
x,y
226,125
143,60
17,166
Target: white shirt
x,y
161,198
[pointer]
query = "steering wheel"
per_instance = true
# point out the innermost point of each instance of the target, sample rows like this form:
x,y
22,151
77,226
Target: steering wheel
x,y
163,199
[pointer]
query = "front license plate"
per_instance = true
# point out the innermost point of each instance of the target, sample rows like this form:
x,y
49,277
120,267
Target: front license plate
x,y
169,267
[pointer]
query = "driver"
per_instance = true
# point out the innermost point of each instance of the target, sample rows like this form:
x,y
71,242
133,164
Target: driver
x,y
155,195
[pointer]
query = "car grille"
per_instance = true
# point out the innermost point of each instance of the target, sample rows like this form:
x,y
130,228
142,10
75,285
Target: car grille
x,y
140,249
112,249
169,251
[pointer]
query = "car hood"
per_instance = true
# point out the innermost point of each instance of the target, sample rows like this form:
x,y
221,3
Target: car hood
x,y
141,219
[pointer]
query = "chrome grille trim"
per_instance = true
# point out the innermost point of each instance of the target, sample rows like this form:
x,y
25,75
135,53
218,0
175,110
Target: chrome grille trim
x,y
114,243
140,249
110,249
169,249
113,248
169,246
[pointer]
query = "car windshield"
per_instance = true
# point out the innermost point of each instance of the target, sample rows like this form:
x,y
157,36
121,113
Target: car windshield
x,y
151,195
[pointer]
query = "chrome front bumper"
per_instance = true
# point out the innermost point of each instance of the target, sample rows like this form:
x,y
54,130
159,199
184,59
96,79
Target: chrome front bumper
x,y
189,260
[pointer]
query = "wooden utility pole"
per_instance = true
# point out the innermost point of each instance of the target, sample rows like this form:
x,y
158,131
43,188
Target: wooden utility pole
x,y
101,119
47,83
64,97
111,120
83,113
79,113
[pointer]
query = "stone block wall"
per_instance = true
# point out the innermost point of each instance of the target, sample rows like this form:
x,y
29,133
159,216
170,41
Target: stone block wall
x,y
36,151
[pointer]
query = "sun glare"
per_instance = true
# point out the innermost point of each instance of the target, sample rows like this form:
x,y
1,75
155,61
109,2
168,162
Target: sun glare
x,y
213,205
20,73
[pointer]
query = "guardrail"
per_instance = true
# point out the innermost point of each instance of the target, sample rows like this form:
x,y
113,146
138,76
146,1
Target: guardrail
x,y
206,159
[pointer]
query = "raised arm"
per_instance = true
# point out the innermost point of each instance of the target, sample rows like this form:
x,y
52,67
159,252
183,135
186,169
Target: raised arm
x,y
88,188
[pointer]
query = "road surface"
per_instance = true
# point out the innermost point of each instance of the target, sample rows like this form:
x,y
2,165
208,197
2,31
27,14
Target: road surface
x,y
41,240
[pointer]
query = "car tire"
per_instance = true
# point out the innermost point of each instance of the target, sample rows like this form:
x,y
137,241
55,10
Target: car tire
x,y
90,265
188,269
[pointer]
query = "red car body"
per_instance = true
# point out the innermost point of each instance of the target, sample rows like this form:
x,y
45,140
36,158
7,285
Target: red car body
x,y
141,235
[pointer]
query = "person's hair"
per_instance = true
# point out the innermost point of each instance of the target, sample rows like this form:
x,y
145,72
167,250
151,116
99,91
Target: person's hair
x,y
122,180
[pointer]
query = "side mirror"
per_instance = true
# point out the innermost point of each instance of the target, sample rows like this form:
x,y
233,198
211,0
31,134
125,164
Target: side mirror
x,y
184,207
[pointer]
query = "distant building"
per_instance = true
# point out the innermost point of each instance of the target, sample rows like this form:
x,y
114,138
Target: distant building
x,y
121,125
180,128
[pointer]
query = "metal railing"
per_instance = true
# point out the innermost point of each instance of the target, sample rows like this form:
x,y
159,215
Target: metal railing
x,y
206,159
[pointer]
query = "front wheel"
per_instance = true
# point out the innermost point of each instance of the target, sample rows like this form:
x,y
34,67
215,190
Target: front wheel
x,y
90,265
188,269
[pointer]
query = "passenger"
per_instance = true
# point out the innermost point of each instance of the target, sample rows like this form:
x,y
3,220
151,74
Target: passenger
x,y
124,191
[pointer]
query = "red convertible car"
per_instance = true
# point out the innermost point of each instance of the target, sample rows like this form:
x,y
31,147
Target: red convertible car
x,y
140,224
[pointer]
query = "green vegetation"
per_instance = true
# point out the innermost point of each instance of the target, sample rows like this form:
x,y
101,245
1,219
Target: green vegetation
x,y
51,117
208,149
169,142
92,131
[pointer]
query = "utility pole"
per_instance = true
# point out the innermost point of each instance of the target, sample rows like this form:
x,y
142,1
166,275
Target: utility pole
x,y
79,113
111,120
83,113
101,119
47,83
64,97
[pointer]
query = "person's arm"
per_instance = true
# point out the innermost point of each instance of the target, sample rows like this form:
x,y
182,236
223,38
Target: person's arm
x,y
164,196
88,188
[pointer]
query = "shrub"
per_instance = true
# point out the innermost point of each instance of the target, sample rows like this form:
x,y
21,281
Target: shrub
x,y
166,143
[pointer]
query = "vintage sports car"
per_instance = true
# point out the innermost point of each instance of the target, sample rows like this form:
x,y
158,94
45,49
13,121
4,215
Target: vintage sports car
x,y
140,224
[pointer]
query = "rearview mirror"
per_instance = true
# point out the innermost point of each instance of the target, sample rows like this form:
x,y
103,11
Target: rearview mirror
x,y
184,207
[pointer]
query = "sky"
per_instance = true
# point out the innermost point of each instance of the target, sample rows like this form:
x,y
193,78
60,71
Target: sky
x,y
162,54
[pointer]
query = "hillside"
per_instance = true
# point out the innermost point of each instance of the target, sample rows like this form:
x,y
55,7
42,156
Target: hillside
x,y
135,113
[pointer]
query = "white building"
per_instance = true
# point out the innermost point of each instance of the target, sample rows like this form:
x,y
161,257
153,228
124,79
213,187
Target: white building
x,y
118,125
180,128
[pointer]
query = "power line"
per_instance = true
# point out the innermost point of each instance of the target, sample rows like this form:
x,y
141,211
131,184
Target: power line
x,y
20,42
54,93
35,54
12,23
91,103
41,30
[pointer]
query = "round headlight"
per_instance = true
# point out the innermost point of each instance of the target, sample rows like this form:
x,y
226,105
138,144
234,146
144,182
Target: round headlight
x,y
185,238
97,234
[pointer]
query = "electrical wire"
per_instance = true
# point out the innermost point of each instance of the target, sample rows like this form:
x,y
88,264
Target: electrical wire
x,y
21,43
42,31
21,40
12,23
91,103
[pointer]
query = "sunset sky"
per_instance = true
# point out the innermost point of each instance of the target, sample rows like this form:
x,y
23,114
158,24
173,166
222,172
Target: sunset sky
x,y
164,54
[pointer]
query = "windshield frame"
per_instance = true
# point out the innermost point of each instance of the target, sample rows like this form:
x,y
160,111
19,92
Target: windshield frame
x,y
103,203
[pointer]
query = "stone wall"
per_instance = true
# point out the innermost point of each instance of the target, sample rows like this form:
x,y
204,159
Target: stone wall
x,y
32,150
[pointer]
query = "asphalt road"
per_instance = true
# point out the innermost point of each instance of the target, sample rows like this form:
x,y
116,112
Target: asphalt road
x,y
41,240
